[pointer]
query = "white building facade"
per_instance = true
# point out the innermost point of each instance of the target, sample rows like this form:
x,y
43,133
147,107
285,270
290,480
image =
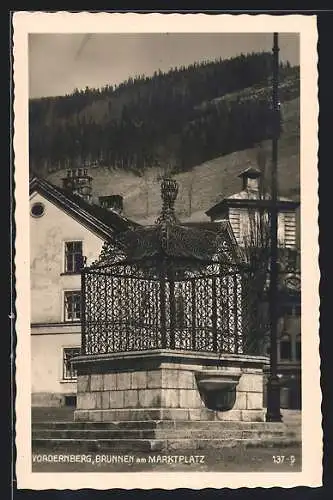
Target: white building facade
x,y
65,232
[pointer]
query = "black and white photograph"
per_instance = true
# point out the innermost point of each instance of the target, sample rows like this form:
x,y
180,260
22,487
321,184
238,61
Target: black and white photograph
x,y
167,257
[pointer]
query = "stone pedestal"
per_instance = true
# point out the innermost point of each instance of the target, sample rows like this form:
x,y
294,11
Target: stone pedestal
x,y
165,385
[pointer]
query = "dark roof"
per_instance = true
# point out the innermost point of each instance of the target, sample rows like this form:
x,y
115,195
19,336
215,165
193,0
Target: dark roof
x,y
217,227
250,203
181,241
100,220
199,241
208,225
250,172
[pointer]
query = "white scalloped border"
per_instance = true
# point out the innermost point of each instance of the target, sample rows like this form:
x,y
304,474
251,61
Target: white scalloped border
x,y
66,22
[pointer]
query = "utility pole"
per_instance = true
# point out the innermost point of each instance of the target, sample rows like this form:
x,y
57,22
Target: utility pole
x,y
273,385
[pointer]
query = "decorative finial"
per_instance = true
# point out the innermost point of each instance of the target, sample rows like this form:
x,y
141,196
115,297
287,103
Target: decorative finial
x,y
169,191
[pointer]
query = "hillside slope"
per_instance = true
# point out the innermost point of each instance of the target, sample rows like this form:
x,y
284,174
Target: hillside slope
x,y
210,180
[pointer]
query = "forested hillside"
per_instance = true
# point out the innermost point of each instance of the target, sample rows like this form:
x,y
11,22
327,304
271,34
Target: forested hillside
x,y
206,183
185,117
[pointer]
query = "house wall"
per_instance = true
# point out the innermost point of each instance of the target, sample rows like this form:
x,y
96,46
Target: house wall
x,y
239,220
289,370
48,235
49,332
48,386
289,325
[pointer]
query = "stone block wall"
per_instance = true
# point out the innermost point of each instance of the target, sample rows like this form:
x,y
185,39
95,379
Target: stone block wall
x,y
139,390
166,392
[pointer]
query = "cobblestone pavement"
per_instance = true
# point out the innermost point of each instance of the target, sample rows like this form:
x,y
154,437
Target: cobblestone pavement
x,y
227,460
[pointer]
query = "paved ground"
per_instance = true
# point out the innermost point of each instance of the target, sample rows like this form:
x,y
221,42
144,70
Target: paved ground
x,y
228,460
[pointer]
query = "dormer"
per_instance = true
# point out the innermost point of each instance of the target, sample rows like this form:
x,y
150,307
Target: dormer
x,y
250,179
112,202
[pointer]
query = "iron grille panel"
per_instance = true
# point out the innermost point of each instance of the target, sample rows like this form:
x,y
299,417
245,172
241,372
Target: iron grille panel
x,y
128,308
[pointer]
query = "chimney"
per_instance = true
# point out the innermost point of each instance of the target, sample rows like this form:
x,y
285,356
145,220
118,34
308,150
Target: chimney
x,y
250,179
78,182
112,202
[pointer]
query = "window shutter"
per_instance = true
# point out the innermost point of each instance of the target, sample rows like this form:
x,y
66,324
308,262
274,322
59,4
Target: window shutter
x,y
290,229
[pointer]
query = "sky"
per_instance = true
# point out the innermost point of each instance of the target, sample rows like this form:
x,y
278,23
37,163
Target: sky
x,y
59,63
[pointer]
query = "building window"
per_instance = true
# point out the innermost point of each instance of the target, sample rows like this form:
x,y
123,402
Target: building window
x,y
72,306
291,259
69,372
37,209
73,256
285,348
298,348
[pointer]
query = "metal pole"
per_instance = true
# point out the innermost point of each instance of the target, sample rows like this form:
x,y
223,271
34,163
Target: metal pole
x,y
273,385
83,313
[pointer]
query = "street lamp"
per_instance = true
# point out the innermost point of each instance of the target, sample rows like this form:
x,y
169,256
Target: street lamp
x,y
273,385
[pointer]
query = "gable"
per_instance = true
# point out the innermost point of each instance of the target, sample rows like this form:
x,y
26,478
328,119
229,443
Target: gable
x,y
99,220
63,220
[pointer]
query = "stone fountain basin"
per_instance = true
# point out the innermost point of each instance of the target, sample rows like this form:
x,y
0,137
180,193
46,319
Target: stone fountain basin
x,y
218,381
218,388
211,384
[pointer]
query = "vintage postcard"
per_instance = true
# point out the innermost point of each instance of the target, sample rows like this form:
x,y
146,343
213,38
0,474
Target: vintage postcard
x,y
166,253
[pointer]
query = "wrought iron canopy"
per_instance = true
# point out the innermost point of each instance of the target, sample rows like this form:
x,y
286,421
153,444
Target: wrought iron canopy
x,y
168,238
171,240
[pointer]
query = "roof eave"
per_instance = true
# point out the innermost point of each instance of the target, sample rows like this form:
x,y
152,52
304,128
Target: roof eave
x,y
216,208
246,203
